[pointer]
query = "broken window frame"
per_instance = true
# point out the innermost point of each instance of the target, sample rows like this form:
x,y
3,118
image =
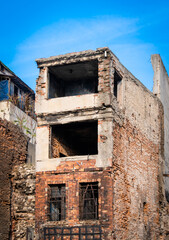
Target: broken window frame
x,y
57,202
88,201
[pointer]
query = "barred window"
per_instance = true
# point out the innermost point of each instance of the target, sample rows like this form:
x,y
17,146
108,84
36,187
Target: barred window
x,y
88,201
57,202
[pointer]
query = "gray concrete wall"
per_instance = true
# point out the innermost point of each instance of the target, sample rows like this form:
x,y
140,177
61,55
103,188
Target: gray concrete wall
x,y
142,108
161,89
31,153
140,105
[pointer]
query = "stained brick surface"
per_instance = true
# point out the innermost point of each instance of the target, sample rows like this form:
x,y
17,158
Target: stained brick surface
x,y
129,164
17,184
13,151
72,180
136,165
129,191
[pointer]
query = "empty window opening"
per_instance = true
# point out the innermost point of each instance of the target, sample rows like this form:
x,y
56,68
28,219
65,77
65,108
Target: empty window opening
x,y
117,85
73,79
15,90
88,201
57,202
78,138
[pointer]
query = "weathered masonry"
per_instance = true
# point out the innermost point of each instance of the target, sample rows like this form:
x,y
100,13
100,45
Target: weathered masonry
x,y
17,184
100,153
17,157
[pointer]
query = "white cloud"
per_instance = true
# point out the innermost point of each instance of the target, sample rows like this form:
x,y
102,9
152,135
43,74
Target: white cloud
x,y
76,35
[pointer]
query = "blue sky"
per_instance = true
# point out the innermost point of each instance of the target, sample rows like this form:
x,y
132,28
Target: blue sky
x,y
133,30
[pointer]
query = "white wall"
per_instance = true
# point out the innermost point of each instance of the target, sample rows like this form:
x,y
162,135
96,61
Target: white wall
x,y
13,114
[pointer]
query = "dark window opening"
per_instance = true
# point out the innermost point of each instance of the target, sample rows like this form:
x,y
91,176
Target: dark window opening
x,y
1,68
88,201
57,202
167,195
4,92
15,91
73,79
117,84
4,78
73,139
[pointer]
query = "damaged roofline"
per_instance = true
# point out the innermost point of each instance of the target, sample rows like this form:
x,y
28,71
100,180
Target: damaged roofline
x,y
72,58
16,79
41,61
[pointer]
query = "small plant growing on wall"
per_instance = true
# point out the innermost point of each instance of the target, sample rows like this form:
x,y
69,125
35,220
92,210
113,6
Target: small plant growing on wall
x,y
26,104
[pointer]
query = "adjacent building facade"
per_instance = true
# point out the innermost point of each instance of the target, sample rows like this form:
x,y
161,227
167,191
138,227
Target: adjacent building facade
x,y
17,102
101,156
17,157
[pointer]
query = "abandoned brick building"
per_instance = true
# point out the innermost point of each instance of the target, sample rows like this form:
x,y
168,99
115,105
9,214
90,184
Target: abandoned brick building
x,y
102,162
17,157
101,157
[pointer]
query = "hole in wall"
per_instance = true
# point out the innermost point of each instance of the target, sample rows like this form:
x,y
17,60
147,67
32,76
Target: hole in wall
x,y
117,85
73,79
72,139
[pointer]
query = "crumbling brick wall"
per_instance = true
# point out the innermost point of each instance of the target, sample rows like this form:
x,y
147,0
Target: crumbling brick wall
x,y
129,191
13,154
72,179
23,200
130,151
13,150
137,193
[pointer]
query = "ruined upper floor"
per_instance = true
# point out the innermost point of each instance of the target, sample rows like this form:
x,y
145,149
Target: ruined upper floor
x,y
81,95
90,79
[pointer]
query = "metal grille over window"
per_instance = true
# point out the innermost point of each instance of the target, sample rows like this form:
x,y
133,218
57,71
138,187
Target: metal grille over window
x,y
73,233
57,204
88,201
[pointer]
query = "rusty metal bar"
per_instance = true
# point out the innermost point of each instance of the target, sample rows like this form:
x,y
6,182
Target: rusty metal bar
x,y
57,203
89,232
88,200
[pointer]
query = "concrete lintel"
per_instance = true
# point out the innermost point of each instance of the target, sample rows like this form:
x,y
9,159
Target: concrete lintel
x,y
51,120
53,163
72,103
